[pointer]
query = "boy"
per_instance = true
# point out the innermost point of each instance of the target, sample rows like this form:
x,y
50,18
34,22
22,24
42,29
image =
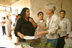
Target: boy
x,y
41,27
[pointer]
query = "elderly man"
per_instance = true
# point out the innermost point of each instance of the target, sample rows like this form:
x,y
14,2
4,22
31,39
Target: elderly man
x,y
64,29
52,26
8,26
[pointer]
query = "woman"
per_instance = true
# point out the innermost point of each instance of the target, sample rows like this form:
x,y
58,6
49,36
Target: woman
x,y
25,25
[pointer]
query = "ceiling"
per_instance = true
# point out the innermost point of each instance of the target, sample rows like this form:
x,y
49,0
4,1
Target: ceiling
x,y
7,2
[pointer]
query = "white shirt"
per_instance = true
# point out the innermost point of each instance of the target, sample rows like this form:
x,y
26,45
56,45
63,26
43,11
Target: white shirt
x,y
41,21
3,24
53,27
65,27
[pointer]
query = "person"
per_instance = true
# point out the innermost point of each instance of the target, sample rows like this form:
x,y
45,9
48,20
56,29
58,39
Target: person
x,y
25,25
52,26
19,16
41,23
15,20
64,29
14,38
3,26
8,26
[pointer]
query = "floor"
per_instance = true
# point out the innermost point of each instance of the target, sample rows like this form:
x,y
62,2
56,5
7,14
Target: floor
x,y
6,41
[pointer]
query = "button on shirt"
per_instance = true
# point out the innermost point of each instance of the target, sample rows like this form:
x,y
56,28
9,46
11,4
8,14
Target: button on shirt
x,y
65,27
52,25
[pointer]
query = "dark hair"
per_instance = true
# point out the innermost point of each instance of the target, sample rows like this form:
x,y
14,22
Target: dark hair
x,y
63,11
19,15
23,12
4,18
39,13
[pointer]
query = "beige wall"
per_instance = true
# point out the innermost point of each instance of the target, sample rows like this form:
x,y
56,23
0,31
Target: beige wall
x,y
19,5
39,5
67,5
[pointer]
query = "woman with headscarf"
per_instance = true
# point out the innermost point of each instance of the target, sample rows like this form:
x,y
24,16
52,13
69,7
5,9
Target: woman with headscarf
x,y
25,25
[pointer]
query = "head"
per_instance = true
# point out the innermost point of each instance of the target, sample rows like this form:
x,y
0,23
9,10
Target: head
x,y
40,15
25,13
62,13
19,16
4,18
16,17
50,8
7,17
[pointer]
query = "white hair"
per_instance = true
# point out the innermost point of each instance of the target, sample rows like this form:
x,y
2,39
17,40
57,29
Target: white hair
x,y
51,6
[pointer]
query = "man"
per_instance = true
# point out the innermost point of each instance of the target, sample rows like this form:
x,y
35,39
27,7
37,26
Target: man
x,y
19,15
52,26
64,29
8,26
15,20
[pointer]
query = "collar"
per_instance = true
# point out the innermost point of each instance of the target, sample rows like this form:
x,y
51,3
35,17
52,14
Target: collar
x,y
41,21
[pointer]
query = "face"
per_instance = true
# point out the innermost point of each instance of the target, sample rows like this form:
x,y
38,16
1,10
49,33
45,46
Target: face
x,y
7,16
27,13
19,16
47,11
62,14
40,16
16,17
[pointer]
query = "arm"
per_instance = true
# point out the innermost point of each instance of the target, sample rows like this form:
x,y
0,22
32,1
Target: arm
x,y
17,29
68,29
33,23
11,21
53,29
43,27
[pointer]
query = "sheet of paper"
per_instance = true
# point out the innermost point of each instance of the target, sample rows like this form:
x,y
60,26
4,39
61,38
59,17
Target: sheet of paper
x,y
30,37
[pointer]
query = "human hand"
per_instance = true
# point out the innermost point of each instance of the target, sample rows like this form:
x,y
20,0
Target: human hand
x,y
21,35
67,36
38,34
31,20
59,27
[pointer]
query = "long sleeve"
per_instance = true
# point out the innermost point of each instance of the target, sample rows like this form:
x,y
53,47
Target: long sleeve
x,y
17,28
54,26
68,27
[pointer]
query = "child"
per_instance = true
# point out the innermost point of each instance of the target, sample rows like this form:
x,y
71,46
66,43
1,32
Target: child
x,y
41,27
